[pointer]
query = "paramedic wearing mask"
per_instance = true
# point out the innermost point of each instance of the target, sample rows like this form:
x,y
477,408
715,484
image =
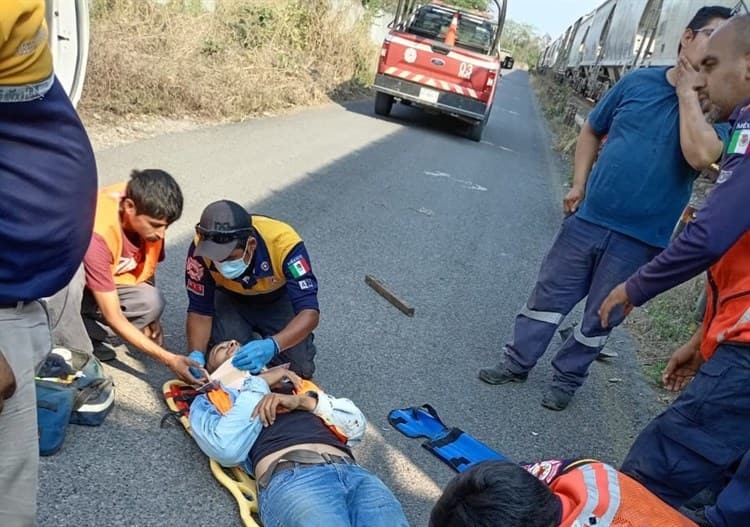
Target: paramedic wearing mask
x,y
249,278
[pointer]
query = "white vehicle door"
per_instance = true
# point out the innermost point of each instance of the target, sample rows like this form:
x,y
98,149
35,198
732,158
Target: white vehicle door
x,y
68,22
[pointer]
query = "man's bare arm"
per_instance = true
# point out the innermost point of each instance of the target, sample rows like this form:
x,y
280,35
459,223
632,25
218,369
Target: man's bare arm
x,y
587,150
298,329
109,305
198,328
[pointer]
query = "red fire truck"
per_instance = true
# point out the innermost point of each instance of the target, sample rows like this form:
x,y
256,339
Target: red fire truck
x,y
443,59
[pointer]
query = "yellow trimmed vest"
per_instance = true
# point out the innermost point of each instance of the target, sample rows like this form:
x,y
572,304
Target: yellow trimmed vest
x,y
279,239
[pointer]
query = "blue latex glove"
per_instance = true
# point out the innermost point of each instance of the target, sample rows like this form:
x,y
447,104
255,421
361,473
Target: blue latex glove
x,y
200,358
254,355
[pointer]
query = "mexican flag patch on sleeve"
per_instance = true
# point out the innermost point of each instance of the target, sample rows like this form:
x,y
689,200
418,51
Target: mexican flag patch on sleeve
x,y
299,267
740,142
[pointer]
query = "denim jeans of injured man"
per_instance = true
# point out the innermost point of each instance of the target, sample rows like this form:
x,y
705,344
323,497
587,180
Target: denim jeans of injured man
x,y
329,494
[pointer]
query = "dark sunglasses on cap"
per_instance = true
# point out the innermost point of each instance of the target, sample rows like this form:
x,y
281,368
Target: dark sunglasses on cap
x,y
221,236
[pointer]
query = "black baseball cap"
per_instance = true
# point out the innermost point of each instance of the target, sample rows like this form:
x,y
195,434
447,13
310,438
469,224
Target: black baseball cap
x,y
223,223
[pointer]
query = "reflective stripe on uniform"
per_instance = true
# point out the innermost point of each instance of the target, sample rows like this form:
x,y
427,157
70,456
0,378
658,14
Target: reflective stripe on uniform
x,y
613,485
744,319
592,496
590,342
548,317
600,507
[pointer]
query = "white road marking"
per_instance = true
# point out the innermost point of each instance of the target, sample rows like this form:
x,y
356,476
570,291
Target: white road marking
x,y
468,185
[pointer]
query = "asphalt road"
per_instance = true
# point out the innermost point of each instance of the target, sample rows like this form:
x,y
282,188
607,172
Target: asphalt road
x,y
455,228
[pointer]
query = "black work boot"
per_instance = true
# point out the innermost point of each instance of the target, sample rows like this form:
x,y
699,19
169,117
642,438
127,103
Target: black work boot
x,y
501,375
556,399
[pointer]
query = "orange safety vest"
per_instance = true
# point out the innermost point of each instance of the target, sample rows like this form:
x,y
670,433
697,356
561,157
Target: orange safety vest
x,y
597,495
107,224
727,316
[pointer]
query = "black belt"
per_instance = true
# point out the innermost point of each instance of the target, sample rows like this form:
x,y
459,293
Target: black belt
x,y
302,459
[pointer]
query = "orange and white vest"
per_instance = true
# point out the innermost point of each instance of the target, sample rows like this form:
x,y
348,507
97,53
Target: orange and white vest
x,y
107,224
728,303
597,495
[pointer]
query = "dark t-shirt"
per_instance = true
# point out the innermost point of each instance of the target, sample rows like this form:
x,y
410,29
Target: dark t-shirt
x,y
641,181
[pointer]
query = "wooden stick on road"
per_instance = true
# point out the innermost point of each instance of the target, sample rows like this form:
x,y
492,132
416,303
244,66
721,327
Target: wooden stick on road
x,y
378,286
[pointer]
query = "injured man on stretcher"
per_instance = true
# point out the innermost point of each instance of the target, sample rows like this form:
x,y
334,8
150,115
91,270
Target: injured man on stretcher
x,y
296,440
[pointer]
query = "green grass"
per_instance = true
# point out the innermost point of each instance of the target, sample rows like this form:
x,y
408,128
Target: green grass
x,y
663,325
654,370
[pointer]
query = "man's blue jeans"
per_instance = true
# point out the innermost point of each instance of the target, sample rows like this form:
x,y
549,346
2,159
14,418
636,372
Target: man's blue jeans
x,y
586,260
329,495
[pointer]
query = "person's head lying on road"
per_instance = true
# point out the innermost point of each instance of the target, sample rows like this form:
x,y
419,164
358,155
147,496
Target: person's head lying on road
x,y
296,442
549,494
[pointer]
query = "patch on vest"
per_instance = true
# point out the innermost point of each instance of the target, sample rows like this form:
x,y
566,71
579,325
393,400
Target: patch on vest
x,y
306,284
298,267
739,143
544,471
724,176
125,265
194,269
196,288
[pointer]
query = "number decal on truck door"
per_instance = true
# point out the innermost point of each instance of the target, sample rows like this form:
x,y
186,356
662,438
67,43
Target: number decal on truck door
x,y
465,70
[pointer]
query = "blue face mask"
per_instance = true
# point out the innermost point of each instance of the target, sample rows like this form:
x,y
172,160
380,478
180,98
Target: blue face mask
x,y
233,268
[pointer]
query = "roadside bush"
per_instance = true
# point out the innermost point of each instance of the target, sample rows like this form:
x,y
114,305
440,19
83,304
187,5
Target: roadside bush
x,y
245,58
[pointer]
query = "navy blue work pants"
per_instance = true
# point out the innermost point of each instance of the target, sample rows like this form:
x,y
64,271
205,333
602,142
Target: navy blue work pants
x,y
702,440
586,260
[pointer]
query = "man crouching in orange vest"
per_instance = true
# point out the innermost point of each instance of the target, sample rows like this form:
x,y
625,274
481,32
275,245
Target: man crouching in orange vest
x,y
582,493
114,293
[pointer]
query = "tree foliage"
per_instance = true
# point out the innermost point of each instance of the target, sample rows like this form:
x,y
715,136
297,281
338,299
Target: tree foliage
x,y
469,4
523,41
392,4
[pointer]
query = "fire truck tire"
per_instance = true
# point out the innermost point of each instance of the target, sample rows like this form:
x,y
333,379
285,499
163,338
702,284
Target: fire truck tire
x,y
475,131
383,103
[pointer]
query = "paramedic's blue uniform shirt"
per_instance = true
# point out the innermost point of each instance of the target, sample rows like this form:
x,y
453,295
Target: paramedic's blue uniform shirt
x,y
641,181
301,290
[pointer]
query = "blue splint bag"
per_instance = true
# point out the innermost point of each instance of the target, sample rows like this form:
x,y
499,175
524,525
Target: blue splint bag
x,y
451,445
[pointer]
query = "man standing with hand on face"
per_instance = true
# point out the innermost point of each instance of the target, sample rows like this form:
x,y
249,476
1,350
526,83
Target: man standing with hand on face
x,y
620,213
704,436
249,279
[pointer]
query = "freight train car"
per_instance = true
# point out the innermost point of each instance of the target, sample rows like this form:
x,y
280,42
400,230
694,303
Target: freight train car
x,y
596,50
